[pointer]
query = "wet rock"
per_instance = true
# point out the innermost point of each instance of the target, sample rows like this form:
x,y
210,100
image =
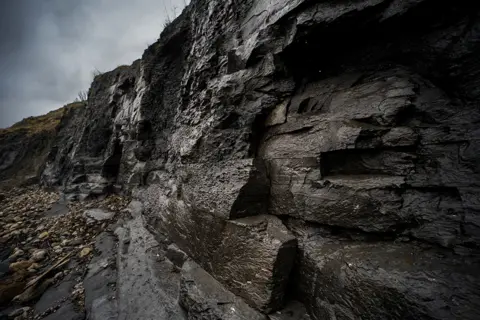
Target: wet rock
x,y
54,295
99,302
203,297
144,275
247,108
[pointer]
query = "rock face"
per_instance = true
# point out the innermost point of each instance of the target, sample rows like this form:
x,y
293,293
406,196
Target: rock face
x,y
25,146
334,144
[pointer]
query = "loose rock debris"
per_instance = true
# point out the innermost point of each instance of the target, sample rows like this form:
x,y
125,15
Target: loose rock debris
x,y
39,250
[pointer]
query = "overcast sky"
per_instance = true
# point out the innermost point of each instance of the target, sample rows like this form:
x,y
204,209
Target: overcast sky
x,y
49,48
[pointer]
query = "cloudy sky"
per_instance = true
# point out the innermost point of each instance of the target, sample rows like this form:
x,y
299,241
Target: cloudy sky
x,y
49,48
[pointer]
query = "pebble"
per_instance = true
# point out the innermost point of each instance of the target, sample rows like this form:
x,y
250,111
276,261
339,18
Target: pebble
x,y
76,242
39,255
34,267
17,253
85,252
39,241
43,235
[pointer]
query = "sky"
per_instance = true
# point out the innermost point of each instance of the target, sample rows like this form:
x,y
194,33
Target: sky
x,y
49,48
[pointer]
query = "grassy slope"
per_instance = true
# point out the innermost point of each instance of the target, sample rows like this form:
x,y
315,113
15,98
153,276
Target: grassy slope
x,y
44,123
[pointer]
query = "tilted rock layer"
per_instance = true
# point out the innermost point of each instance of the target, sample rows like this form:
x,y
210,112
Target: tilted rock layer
x,y
321,151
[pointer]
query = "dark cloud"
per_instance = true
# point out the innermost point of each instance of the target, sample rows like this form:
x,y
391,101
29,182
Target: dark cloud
x,y
49,48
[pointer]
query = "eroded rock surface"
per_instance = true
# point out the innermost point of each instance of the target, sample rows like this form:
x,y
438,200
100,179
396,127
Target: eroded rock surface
x,y
205,298
352,125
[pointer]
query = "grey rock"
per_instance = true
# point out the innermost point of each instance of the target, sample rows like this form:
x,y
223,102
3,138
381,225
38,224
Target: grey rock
x,y
205,298
370,172
66,311
145,276
54,295
58,209
251,256
98,214
175,255
100,281
39,255
257,256
383,280
135,208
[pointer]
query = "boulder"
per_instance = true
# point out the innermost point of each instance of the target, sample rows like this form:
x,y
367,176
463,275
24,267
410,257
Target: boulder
x,y
383,279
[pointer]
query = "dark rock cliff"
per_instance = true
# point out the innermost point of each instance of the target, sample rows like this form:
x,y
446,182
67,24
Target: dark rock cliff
x,y
321,151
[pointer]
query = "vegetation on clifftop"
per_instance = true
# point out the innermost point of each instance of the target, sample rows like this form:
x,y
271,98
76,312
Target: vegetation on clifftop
x,y
44,123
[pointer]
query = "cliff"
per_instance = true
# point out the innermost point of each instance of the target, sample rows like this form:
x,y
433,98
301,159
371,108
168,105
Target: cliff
x,y
24,147
320,151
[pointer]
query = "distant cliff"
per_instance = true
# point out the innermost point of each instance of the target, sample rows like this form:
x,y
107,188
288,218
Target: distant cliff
x,y
321,151
24,147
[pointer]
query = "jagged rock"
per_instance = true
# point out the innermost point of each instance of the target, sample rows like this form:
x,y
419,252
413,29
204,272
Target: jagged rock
x,y
205,298
383,280
252,256
363,175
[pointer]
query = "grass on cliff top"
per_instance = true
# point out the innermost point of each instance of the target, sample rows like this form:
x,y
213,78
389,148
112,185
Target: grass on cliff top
x,y
44,123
